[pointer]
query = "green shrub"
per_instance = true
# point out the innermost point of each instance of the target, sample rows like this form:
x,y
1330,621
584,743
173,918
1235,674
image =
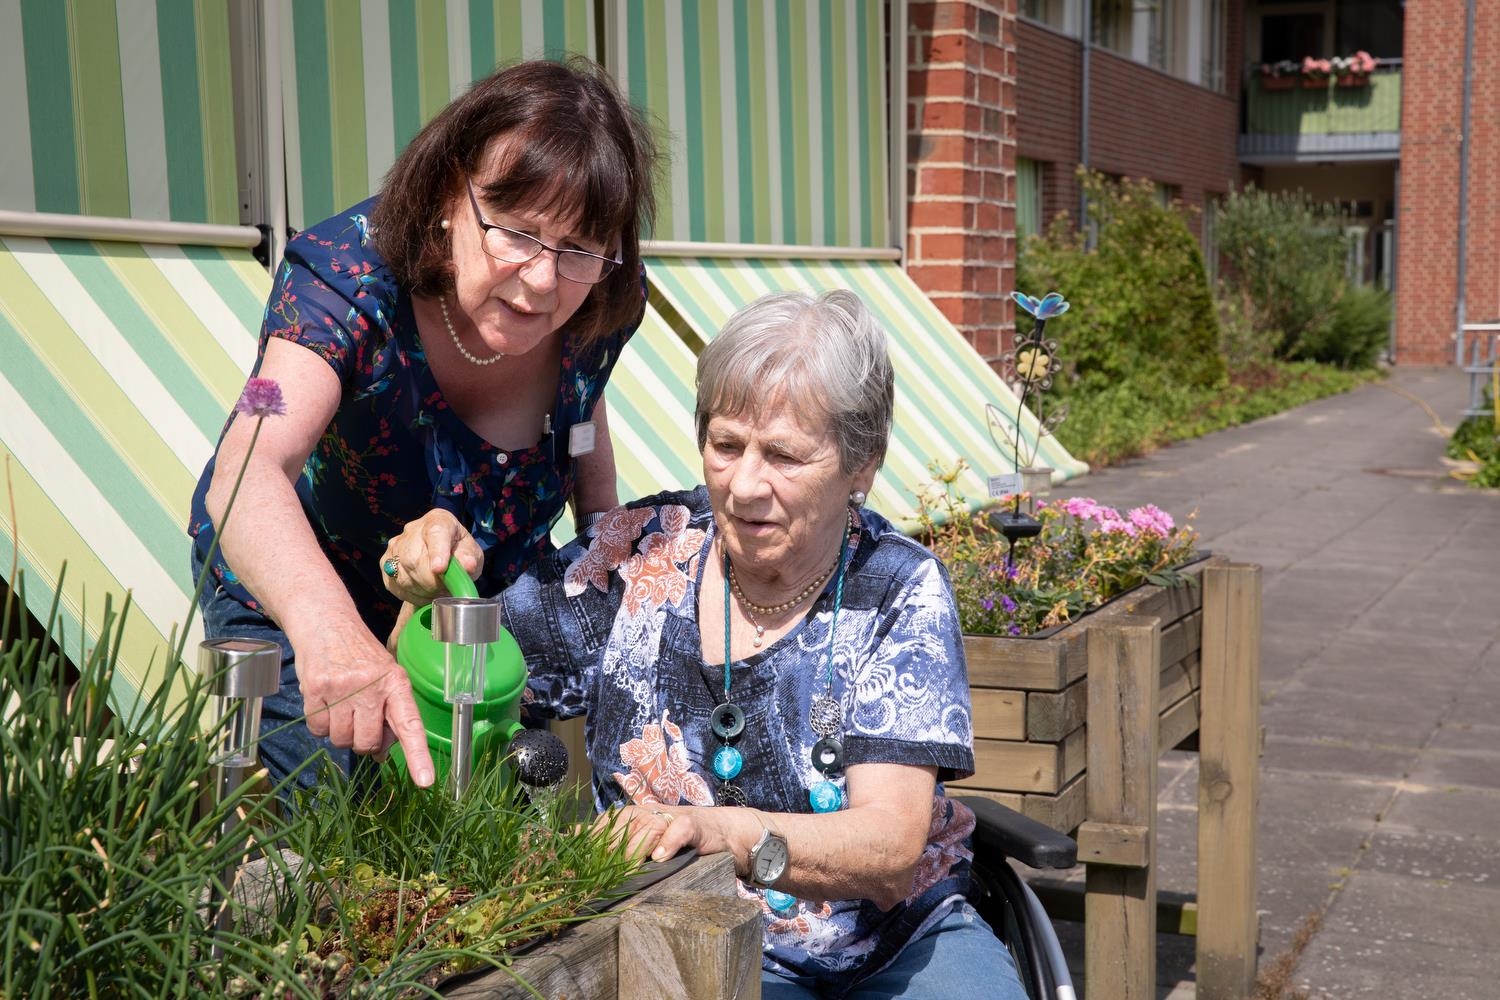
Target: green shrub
x,y
1477,440
1285,284
1141,306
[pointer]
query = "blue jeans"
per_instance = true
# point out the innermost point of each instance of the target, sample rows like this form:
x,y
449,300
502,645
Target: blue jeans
x,y
958,958
285,742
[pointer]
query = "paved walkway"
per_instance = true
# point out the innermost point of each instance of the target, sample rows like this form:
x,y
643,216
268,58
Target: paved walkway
x,y
1380,783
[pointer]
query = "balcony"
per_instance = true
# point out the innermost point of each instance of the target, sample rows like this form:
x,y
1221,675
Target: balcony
x,y
1287,120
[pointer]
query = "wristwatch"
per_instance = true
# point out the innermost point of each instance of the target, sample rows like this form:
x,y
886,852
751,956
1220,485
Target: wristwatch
x,y
768,859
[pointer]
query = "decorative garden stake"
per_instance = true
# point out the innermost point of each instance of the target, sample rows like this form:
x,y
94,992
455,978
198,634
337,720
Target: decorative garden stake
x,y
240,673
1030,366
465,626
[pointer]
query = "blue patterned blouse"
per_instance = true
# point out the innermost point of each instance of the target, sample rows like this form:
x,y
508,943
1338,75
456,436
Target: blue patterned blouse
x,y
612,631
394,450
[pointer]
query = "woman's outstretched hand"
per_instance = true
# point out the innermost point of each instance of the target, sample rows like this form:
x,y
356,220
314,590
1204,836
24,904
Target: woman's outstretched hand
x,y
420,554
356,694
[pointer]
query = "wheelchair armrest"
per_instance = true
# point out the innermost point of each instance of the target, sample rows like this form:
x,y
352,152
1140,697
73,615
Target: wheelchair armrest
x,y
1037,845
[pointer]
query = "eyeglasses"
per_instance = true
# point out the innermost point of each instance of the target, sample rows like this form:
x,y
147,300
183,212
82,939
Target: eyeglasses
x,y
515,247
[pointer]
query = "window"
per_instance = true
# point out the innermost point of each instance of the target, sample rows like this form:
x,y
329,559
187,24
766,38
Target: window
x,y
1108,21
1055,14
1159,15
1213,46
1290,36
1028,197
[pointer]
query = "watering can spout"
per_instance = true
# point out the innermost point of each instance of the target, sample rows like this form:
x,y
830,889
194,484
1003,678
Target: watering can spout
x,y
496,712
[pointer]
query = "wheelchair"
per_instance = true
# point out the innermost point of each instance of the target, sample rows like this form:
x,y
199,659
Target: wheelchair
x,y
1008,904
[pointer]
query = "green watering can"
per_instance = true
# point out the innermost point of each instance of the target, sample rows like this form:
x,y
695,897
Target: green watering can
x,y
496,707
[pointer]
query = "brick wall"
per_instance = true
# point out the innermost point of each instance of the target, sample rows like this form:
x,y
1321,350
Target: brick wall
x,y
1427,219
1143,123
961,164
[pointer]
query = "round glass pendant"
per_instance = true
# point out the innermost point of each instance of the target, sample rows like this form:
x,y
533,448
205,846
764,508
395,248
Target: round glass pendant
x,y
828,755
729,721
826,797
727,763
781,902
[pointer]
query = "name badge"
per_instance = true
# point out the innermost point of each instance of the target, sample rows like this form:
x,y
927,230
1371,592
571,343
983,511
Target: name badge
x,y
581,439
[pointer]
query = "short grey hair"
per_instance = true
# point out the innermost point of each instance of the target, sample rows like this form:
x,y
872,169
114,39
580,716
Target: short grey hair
x,y
822,355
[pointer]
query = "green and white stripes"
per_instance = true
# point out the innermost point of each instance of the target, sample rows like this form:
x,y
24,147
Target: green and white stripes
x,y
776,111
119,108
118,365
941,385
361,78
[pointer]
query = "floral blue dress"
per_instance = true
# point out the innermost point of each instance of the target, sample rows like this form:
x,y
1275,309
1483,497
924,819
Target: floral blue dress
x,y
394,449
611,631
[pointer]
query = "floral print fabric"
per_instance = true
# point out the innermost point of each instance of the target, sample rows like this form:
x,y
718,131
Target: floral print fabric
x,y
394,449
610,630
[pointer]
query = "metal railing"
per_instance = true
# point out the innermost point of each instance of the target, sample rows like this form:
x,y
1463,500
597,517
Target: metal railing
x,y
1479,353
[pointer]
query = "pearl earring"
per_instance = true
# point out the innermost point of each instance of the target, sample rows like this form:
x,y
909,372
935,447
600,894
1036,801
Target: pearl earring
x,y
444,224
857,498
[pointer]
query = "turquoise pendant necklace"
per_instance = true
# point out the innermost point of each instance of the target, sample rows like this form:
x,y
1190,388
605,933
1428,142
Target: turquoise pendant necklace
x,y
826,715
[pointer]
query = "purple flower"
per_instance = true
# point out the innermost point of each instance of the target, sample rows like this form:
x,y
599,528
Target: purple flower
x,y
1006,603
1015,630
261,398
988,604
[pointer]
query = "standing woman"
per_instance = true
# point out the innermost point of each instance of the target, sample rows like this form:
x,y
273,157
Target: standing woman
x,y
441,346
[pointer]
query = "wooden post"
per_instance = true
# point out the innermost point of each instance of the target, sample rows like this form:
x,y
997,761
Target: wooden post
x,y
1120,833
683,946
1228,782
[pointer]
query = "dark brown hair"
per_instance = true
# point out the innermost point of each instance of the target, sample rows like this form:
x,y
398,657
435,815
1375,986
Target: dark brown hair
x,y
573,147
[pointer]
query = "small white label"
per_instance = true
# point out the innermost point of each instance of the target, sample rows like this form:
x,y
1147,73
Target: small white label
x,y
581,439
1005,484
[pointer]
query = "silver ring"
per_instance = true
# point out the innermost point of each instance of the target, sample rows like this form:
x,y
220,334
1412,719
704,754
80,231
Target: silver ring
x,y
663,814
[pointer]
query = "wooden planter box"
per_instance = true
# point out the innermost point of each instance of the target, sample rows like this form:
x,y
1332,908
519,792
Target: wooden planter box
x,y
689,935
1031,698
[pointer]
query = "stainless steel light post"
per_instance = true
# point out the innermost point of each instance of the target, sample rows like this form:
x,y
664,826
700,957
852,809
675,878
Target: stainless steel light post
x,y
240,673
465,626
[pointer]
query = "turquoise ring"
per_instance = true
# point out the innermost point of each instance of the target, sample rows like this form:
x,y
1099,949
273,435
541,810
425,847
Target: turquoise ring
x,y
389,567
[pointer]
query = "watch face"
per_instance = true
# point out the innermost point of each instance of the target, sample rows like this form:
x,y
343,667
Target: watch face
x,y
769,861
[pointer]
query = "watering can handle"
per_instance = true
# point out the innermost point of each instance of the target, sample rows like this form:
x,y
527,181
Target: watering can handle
x,y
457,580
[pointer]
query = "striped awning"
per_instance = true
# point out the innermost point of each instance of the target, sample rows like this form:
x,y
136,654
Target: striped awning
x,y
118,108
118,364
360,79
942,386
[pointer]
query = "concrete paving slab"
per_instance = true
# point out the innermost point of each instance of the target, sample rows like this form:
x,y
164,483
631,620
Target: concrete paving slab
x,y
1454,809
1380,686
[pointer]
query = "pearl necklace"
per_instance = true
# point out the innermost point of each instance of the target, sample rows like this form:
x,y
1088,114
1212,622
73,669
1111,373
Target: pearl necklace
x,y
771,610
443,304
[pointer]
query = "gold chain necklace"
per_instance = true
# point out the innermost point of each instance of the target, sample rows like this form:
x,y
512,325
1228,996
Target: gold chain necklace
x,y
768,610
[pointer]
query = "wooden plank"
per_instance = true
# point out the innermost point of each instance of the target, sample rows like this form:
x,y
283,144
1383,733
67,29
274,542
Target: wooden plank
x,y
583,961
998,662
1178,681
1182,637
1113,844
1051,715
998,713
1177,723
1120,903
1014,766
1064,811
690,946
1228,782
1011,800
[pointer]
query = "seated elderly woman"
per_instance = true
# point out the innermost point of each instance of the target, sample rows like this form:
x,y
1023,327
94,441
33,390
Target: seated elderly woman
x,y
771,669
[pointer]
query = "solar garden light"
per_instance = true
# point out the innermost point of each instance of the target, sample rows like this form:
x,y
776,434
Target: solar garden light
x,y
1029,367
465,626
240,673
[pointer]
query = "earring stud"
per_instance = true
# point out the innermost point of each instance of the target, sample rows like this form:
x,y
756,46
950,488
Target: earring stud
x,y
857,498
444,224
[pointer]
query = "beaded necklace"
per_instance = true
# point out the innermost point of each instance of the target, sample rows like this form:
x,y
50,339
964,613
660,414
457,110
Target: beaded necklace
x,y
826,714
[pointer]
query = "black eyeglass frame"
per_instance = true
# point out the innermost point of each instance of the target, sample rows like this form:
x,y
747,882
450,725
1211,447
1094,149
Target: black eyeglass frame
x,y
608,264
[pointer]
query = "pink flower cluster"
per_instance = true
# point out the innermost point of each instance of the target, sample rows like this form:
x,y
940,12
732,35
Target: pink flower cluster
x,y
1150,519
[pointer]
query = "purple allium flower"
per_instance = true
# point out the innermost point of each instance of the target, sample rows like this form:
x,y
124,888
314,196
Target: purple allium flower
x,y
1152,519
261,398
